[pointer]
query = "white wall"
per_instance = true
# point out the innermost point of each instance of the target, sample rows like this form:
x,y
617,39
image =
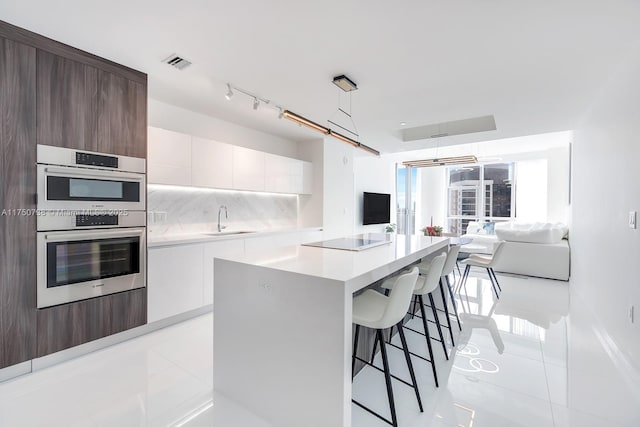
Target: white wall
x,y
338,208
605,189
532,190
558,183
605,251
432,196
373,175
178,119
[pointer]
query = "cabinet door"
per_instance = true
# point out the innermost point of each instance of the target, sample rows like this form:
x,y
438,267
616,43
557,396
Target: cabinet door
x,y
212,164
122,116
169,159
67,100
68,325
248,169
175,280
280,174
17,186
212,250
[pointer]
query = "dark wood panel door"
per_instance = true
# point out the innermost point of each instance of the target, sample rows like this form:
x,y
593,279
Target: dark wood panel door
x,y
67,102
18,225
122,116
69,325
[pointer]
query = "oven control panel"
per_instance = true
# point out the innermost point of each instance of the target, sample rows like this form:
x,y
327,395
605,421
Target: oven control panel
x,y
96,160
96,220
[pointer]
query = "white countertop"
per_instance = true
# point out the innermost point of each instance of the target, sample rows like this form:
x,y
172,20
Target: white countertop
x,y
356,269
183,239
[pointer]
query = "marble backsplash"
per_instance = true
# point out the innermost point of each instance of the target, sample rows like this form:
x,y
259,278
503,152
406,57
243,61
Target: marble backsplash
x,y
188,210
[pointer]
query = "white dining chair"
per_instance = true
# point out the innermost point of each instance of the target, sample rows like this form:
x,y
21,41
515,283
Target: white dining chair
x,y
487,262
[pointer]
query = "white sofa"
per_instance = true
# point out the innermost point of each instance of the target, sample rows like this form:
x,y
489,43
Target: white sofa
x,y
531,249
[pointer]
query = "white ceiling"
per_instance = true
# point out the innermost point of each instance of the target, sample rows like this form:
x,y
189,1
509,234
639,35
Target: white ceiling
x,y
534,65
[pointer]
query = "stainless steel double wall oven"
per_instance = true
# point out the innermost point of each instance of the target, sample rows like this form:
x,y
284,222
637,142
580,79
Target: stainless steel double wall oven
x,y
91,225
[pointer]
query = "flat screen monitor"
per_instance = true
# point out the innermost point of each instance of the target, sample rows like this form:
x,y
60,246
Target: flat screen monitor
x,y
376,208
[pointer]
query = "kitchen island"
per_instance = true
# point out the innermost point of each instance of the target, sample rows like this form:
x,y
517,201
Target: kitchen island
x,y
282,326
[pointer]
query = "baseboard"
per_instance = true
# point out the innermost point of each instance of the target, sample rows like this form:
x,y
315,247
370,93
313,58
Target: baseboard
x,y
99,344
14,371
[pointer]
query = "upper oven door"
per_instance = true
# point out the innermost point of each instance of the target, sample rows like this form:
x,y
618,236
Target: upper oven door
x,y
73,188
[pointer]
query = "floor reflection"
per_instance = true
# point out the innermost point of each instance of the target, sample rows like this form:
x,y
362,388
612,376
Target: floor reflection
x,y
527,359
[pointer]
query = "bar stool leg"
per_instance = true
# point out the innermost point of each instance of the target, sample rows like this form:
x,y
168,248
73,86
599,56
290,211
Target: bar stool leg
x,y
407,356
387,378
355,350
426,332
465,275
438,327
446,310
453,301
375,348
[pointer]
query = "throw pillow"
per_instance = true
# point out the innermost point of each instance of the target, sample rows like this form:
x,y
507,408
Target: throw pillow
x,y
489,227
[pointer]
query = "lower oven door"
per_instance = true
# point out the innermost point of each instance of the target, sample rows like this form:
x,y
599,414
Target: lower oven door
x,y
76,265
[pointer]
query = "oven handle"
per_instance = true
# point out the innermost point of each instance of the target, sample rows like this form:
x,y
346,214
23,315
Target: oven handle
x,y
96,235
101,175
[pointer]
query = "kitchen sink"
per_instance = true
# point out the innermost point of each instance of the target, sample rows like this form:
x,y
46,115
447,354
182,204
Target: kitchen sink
x,y
228,233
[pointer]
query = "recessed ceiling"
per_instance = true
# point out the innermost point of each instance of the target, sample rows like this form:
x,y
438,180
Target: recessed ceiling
x,y
535,66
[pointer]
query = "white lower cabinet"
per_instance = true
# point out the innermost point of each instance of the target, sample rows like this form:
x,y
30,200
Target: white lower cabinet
x,y
212,250
175,280
272,241
180,277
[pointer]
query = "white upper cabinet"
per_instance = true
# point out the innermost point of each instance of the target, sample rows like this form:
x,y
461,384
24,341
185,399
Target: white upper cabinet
x,y
286,175
282,174
169,157
248,169
179,159
212,164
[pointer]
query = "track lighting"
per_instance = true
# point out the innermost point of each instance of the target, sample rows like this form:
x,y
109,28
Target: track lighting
x,y
302,121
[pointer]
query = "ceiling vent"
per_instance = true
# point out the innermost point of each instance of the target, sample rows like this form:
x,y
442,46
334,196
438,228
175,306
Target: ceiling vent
x,y
177,62
456,127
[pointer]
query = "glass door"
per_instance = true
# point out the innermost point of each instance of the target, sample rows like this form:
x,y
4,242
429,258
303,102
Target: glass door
x,y
87,260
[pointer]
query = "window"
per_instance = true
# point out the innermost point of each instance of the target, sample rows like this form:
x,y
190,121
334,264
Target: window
x,y
479,193
406,208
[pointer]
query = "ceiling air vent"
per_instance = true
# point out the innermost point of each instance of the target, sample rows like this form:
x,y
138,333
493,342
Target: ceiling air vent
x,y
456,127
177,62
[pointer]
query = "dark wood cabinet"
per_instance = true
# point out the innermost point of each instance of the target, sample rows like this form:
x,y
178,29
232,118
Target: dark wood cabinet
x,y
80,106
67,99
54,94
17,222
122,116
68,325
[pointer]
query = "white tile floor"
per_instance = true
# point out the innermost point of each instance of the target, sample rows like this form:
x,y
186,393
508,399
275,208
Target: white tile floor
x,y
513,365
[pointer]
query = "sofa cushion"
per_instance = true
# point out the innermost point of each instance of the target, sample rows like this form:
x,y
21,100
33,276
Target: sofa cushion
x,y
481,228
531,232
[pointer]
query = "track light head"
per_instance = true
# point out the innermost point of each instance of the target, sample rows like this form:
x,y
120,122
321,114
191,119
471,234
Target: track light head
x,y
229,94
256,103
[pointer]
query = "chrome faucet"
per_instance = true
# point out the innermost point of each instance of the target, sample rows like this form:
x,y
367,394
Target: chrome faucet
x,y
226,215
